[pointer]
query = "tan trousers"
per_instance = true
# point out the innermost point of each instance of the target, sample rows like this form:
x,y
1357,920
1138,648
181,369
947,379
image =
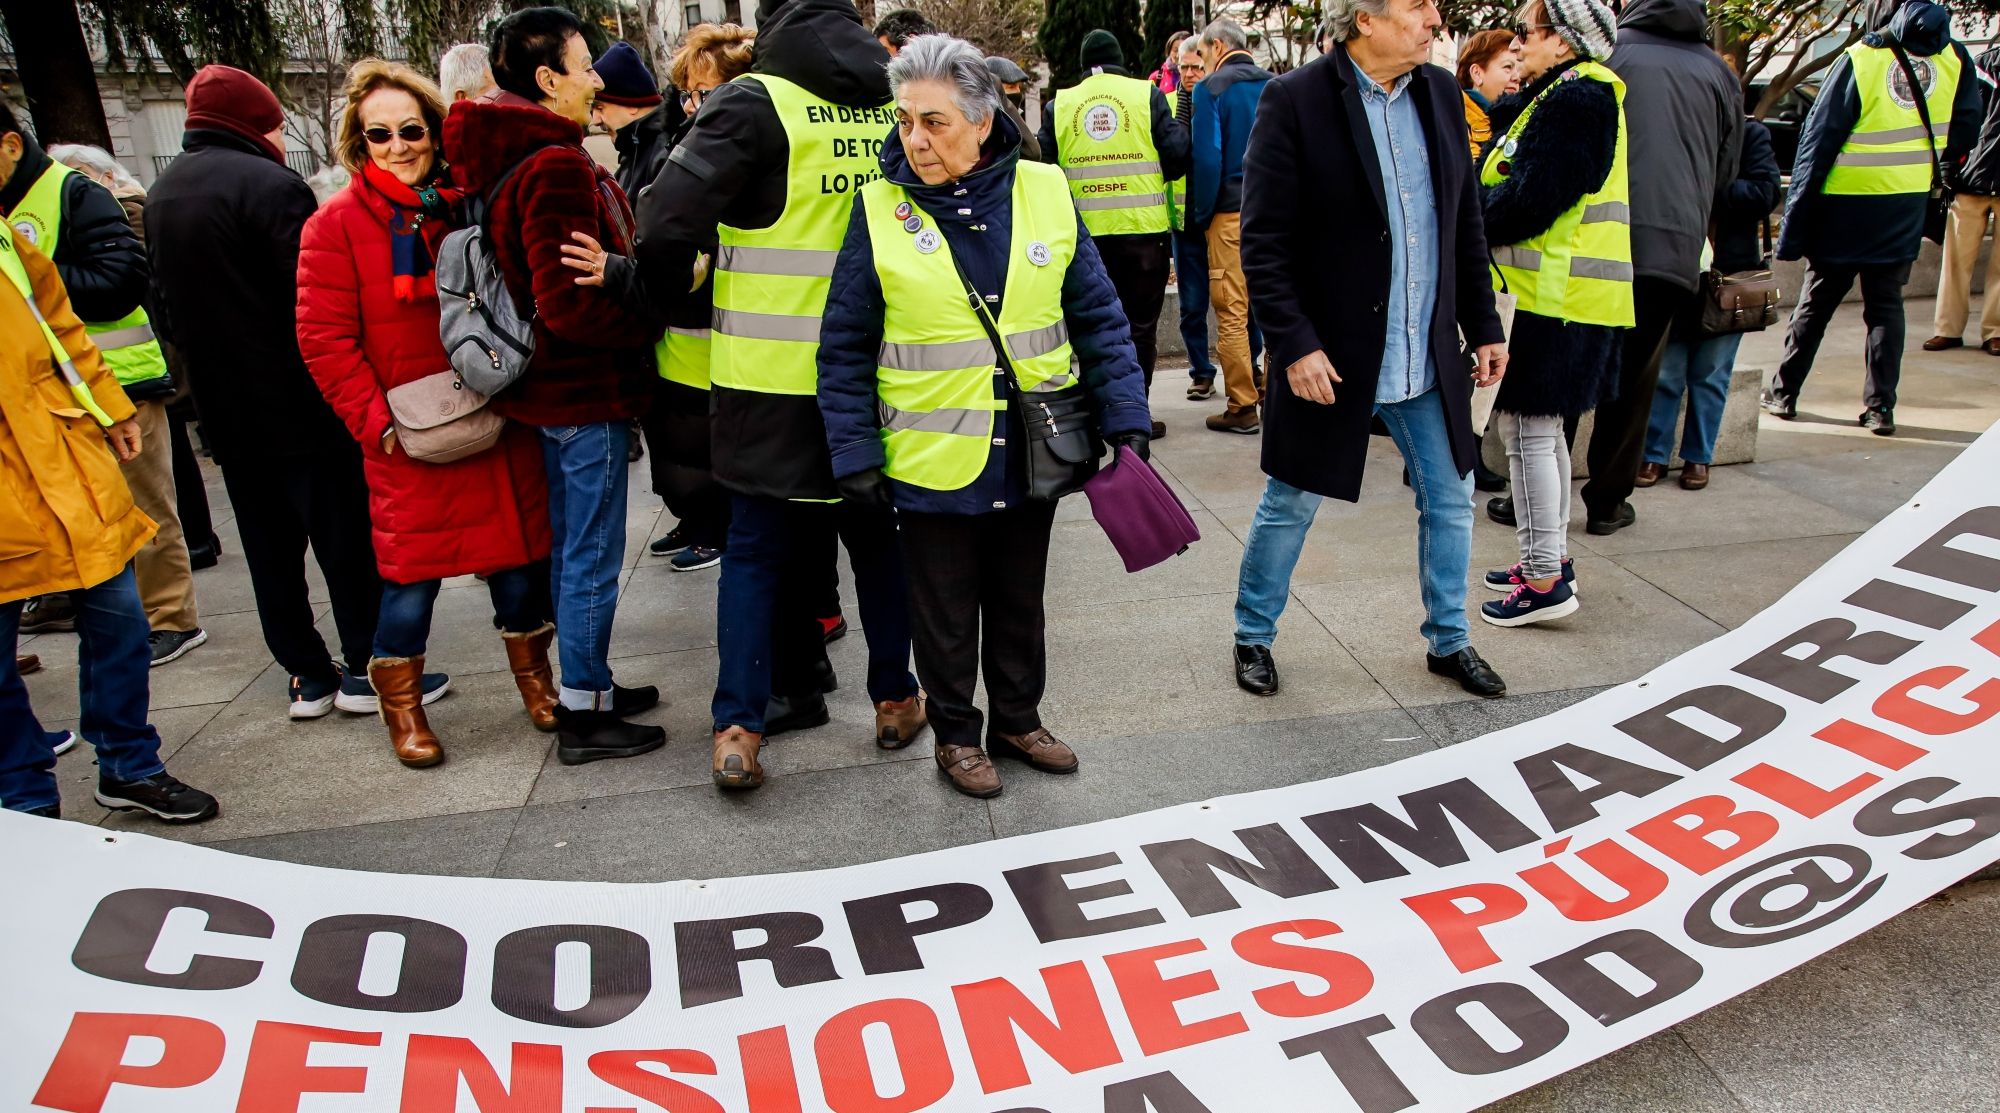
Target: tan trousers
x,y
1229,295
166,581
1969,213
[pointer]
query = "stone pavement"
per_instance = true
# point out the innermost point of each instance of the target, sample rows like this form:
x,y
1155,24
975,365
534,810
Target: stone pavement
x,y
1905,1018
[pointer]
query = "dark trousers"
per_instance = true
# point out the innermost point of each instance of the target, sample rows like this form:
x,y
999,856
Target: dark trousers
x,y
690,492
773,586
1137,266
1881,310
190,495
965,569
282,505
1618,440
521,605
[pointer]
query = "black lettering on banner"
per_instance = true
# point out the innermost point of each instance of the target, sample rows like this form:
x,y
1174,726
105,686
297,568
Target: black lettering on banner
x,y
524,974
1577,975
1748,921
885,936
1752,716
1563,803
1355,834
1830,638
431,975
1924,608
1362,1071
1055,910
1880,818
1461,1047
125,926
1155,1093
1938,557
711,964
1278,865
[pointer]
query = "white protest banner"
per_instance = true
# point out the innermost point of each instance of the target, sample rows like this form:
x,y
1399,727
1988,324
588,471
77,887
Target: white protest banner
x,y
1433,934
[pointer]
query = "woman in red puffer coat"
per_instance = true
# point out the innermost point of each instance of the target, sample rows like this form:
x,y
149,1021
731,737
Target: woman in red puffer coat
x,y
368,322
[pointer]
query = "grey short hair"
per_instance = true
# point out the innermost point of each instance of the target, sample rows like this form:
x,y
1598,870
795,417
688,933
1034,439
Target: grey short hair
x,y
1225,33
954,62
465,68
94,161
1340,16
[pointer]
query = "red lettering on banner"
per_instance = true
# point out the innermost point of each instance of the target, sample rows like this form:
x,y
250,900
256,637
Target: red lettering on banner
x,y
1151,999
1638,879
1347,978
277,1075
1800,795
849,1079
1695,846
436,1063
1898,705
1459,929
1989,639
91,1059
770,1082
1078,1037
623,1069
1883,749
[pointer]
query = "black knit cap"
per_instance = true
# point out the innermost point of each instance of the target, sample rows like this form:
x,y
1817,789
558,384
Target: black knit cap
x,y
1100,48
627,81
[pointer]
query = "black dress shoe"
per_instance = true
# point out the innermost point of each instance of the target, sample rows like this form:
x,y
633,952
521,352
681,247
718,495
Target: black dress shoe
x,y
788,713
631,701
1501,510
1624,516
1486,479
1256,672
1471,671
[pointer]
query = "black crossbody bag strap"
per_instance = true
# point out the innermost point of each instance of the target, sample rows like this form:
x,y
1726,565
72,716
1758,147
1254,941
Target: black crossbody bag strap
x,y
1918,94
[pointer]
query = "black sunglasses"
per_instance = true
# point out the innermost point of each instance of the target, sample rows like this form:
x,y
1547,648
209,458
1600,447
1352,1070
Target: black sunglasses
x,y
410,133
1522,30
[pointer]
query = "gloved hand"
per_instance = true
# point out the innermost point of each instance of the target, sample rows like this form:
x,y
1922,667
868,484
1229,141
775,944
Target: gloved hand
x,y
1140,443
866,488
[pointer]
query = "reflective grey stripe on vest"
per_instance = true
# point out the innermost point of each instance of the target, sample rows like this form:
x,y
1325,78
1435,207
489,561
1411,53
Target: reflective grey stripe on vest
x,y
1053,383
958,423
795,261
766,326
1110,170
955,355
1121,201
1038,342
1921,156
1520,258
1611,270
1896,135
122,337
691,333
1607,212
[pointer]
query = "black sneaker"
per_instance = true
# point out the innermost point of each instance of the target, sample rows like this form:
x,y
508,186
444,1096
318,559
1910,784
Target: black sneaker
x,y
49,614
1882,423
1501,510
789,713
1779,405
171,645
675,540
586,736
161,794
313,699
694,558
1507,579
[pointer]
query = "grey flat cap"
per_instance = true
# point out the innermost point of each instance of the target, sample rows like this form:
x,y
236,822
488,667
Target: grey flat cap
x,y
1005,70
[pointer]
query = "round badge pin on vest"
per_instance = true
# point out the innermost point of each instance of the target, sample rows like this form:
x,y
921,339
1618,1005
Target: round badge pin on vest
x,y
1507,146
927,240
914,224
1038,253
903,211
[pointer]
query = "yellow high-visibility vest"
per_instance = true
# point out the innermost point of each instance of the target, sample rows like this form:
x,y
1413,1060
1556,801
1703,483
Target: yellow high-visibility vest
x,y
1888,150
1104,143
127,344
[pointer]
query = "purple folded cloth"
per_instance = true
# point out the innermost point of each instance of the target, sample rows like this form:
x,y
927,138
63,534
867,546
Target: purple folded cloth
x,y
1144,520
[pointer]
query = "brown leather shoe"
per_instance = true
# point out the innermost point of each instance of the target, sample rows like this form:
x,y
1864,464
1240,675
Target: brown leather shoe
x,y
899,721
1693,476
399,687
1038,748
970,770
733,758
1941,343
528,657
1234,421
25,663
1649,474
1992,347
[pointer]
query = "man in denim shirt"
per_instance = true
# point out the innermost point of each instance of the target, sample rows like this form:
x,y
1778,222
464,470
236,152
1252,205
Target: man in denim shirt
x,y
1365,254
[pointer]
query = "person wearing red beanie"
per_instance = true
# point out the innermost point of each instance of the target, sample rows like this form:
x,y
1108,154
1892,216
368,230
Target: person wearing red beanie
x,y
224,98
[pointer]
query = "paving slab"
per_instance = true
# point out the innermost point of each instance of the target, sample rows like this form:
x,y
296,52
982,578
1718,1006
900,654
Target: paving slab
x,y
1730,584
1660,1074
1084,567
1737,506
216,672
467,845
1463,720
1867,482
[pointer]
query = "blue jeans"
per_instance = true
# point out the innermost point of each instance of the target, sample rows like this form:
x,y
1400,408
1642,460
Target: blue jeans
x,y
772,594
1444,533
586,466
1191,275
113,659
1702,370
520,606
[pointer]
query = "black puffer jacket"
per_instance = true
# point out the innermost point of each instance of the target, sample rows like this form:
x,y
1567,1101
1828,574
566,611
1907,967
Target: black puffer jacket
x,y
1980,172
643,145
99,258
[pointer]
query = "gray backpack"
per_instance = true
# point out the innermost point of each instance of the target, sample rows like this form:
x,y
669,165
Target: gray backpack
x,y
488,341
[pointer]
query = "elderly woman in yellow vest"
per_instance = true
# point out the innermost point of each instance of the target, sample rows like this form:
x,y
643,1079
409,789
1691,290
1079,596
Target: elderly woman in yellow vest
x,y
68,525
916,401
1559,226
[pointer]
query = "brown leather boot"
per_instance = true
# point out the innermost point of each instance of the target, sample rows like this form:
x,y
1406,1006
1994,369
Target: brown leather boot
x,y
528,657
899,721
1693,476
969,770
399,687
733,759
1649,474
1038,748
25,663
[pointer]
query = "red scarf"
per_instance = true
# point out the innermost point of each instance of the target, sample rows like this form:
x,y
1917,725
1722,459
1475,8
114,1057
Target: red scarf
x,y
409,209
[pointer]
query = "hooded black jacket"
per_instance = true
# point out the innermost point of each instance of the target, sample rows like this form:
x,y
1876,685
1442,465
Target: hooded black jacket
x,y
1684,115
1981,172
643,145
98,256
730,169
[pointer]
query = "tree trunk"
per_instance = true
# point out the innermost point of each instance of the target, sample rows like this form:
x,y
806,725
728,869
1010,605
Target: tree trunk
x,y
56,73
